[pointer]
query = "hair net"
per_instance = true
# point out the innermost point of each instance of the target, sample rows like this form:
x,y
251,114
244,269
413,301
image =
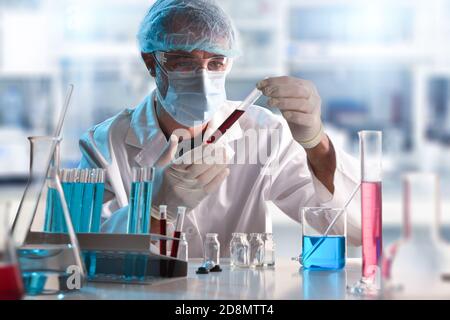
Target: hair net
x,y
188,25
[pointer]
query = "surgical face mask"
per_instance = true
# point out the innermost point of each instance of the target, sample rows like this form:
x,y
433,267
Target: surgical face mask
x,y
193,98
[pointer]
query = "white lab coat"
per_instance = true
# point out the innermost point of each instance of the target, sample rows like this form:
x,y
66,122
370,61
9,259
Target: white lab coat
x,y
133,138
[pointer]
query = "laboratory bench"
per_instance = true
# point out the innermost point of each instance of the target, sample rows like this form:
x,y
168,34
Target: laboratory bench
x,y
284,281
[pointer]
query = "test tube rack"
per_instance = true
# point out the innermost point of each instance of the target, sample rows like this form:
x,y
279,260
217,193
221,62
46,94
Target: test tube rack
x,y
123,258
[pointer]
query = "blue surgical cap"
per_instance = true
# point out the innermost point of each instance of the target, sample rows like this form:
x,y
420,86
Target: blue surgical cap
x,y
188,25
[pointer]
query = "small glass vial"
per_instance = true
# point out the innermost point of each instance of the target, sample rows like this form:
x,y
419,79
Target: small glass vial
x,y
183,250
212,248
269,250
239,250
256,250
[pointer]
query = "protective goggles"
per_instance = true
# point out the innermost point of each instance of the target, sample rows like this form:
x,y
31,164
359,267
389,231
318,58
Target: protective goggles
x,y
179,62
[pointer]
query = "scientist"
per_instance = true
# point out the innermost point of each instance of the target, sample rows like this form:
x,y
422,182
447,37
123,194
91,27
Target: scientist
x,y
189,47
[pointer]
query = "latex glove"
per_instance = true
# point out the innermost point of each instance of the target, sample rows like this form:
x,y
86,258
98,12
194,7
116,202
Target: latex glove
x,y
299,103
187,180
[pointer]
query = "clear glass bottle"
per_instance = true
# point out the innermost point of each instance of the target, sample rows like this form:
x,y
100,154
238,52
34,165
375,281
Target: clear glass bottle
x,y
49,258
11,286
239,250
256,250
183,248
269,250
212,248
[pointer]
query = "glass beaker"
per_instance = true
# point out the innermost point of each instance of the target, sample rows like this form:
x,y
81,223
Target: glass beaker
x,y
320,251
239,250
212,248
370,144
50,261
257,249
11,286
416,263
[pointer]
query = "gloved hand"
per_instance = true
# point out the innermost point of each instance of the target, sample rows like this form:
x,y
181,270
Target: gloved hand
x,y
187,180
300,104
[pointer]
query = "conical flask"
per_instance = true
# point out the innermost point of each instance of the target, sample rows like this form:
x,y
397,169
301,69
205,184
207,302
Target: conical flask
x,y
417,259
11,287
48,250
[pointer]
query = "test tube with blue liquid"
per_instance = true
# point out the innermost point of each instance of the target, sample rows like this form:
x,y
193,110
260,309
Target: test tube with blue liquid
x,y
139,217
140,200
76,199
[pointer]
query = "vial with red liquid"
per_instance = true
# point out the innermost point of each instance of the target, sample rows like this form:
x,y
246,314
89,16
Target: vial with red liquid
x,y
11,286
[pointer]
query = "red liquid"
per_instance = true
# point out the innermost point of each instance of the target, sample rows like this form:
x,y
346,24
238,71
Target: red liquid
x,y
174,250
163,232
371,225
11,287
232,118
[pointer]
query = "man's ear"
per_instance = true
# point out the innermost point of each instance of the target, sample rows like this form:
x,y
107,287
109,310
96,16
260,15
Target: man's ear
x,y
149,61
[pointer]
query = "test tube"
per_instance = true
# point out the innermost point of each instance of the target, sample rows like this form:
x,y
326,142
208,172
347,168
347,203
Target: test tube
x,y
67,189
87,202
177,233
140,200
233,117
99,191
79,177
371,220
147,205
163,229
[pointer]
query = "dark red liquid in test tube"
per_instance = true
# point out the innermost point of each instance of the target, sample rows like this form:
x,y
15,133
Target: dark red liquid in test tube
x,y
232,118
175,243
163,232
11,287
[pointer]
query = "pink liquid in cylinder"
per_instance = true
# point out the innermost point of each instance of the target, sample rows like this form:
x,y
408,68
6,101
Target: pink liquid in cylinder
x,y
371,225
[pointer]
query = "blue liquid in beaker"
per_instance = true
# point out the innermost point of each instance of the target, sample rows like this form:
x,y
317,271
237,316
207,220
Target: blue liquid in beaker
x,y
328,255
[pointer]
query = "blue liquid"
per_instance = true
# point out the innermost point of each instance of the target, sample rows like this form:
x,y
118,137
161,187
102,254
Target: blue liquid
x,y
140,205
67,189
76,204
328,255
99,190
145,226
86,207
133,211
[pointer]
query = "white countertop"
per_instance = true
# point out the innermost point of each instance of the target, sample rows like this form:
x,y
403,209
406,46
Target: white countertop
x,y
284,281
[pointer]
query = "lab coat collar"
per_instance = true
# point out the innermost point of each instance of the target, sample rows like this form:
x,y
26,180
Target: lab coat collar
x,y
144,132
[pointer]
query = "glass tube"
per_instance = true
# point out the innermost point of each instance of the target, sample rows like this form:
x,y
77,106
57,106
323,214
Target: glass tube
x,y
370,143
417,260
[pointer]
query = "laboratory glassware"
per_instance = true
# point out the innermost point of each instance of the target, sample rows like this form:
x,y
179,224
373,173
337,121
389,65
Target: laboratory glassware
x,y
140,200
256,250
11,286
83,191
239,250
211,248
269,250
47,268
235,115
183,248
324,234
163,229
417,259
370,143
178,227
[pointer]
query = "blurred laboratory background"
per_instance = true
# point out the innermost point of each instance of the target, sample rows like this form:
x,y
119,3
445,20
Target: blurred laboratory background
x,y
381,65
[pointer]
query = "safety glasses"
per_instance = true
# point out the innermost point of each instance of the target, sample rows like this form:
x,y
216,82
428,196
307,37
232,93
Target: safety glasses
x,y
179,62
